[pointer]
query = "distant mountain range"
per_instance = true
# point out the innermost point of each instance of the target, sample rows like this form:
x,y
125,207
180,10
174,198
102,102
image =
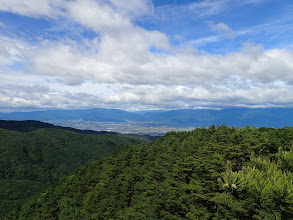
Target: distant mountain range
x,y
98,114
268,117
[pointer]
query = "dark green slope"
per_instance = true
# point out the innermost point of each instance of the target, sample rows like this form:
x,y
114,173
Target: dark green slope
x,y
31,125
175,177
30,162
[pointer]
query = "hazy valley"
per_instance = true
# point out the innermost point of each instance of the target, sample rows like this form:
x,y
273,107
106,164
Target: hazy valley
x,y
157,122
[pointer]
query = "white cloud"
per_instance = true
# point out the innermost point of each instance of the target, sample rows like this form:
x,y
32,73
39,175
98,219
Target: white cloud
x,y
232,92
11,50
194,10
119,61
219,26
130,66
33,8
201,9
99,17
207,7
133,8
104,10
222,29
160,96
125,77
250,1
2,25
205,40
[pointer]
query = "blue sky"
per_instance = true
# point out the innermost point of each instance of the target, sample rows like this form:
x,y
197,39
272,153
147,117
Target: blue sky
x,y
143,54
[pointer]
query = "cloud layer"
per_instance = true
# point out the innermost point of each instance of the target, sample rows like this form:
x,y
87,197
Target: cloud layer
x,y
127,66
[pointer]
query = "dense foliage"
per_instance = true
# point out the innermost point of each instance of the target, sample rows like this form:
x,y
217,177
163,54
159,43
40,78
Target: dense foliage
x,y
263,191
180,176
30,162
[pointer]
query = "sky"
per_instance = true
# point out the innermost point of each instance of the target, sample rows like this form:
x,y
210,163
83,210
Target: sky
x,y
144,54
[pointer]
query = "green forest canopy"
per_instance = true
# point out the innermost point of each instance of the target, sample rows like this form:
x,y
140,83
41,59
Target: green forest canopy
x,y
30,162
182,175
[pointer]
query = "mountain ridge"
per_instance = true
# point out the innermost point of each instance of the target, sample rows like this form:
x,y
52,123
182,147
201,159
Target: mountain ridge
x,y
259,117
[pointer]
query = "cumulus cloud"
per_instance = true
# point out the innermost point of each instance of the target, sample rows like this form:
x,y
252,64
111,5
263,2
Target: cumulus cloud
x,y
219,26
17,96
129,66
240,93
222,28
56,8
116,62
181,80
234,91
100,17
2,25
11,50
33,8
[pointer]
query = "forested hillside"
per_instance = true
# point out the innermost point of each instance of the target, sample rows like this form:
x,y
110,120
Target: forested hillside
x,y
31,125
209,173
30,162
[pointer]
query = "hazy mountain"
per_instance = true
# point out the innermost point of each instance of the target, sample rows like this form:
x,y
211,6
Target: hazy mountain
x,y
268,117
97,114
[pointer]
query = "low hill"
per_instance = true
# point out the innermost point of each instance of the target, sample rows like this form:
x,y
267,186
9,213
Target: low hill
x,y
31,161
180,176
31,125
